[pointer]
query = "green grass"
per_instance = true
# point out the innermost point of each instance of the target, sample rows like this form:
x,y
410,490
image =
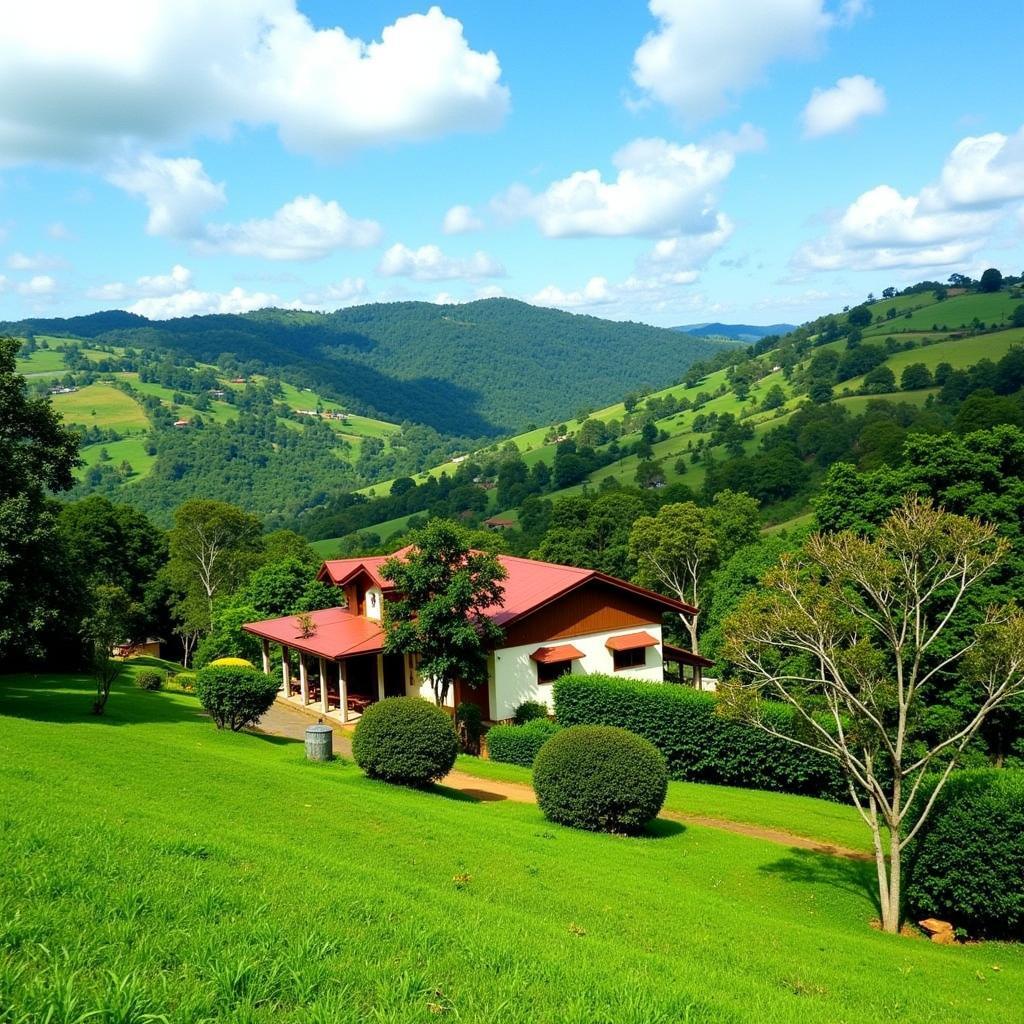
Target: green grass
x,y
131,448
102,405
152,865
950,314
43,362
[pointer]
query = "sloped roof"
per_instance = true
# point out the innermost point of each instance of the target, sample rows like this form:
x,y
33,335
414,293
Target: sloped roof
x,y
337,633
551,655
631,641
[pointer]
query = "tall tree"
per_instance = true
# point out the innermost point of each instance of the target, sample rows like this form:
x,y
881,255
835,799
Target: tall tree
x,y
106,625
446,589
37,454
676,549
849,633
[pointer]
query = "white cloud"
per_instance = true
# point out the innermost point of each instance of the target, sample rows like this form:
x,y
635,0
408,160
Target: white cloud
x,y
41,284
596,292
3,283
39,261
307,228
688,252
78,81
661,188
176,280
193,302
838,108
429,263
178,192
59,231
704,53
460,220
981,181
345,292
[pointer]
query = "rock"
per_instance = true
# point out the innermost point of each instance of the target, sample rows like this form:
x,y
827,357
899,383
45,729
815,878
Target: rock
x,y
940,931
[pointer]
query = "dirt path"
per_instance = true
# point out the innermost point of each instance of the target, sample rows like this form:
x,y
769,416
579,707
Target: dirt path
x,y
282,720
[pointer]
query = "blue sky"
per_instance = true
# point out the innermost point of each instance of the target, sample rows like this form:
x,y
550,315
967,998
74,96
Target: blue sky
x,y
672,162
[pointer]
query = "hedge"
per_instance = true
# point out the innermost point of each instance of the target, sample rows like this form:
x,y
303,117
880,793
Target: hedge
x,y
967,862
235,696
519,744
698,744
406,740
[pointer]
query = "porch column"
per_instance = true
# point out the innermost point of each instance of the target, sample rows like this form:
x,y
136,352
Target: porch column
x,y
343,689
303,679
323,685
266,656
380,676
286,670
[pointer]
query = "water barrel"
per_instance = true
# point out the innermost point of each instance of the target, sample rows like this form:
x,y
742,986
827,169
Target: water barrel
x,y
319,743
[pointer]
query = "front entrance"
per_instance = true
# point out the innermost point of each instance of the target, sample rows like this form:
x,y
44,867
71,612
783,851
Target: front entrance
x,y
478,695
394,675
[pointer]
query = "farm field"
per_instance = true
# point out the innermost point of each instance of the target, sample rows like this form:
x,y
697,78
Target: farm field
x,y
130,449
950,314
44,362
152,891
102,405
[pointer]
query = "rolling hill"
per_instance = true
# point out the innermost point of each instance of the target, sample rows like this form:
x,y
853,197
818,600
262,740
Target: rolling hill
x,y
746,333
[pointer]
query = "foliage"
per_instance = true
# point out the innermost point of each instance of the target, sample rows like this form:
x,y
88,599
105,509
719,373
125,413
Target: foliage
x,y
103,628
235,696
405,740
469,725
698,743
966,864
446,589
601,778
226,638
991,280
528,711
150,679
519,744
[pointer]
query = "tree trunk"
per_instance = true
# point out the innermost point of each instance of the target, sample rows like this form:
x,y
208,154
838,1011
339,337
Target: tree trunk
x,y
891,921
690,622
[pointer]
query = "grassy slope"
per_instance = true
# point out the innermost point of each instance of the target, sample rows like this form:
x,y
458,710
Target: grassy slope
x,y
102,405
202,875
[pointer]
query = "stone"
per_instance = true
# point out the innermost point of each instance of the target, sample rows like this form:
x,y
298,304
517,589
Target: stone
x,y
940,931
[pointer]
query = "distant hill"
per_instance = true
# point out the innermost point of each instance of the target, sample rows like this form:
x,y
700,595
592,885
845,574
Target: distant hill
x,y
737,332
481,369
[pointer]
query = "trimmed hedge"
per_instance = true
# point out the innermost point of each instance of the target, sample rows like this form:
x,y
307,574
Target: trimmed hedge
x,y
698,744
528,711
235,696
519,744
150,679
600,778
967,862
406,740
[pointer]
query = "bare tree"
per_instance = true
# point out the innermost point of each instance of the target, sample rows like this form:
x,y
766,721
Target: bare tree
x,y
850,633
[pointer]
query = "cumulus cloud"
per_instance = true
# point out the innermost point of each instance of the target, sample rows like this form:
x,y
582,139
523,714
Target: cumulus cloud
x,y
38,261
596,292
704,53
176,280
460,220
834,110
944,224
177,191
40,284
59,231
192,302
661,188
80,80
429,263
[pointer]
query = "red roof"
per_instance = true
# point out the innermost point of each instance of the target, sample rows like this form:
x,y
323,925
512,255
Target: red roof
x,y
337,633
565,652
631,641
340,571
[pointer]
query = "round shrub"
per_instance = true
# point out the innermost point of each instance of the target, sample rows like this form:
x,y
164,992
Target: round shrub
x,y
231,663
519,744
529,711
235,696
183,680
600,777
966,864
149,679
406,740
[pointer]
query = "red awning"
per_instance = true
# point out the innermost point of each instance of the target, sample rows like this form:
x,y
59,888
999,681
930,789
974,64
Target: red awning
x,y
547,655
631,641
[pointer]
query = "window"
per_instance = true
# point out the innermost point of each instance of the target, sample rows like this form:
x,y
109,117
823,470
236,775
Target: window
x,y
636,657
548,672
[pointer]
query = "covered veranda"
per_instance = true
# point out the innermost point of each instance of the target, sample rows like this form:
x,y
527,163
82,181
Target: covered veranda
x,y
684,667
337,667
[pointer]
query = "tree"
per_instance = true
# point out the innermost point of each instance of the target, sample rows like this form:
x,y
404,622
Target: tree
x,y
915,376
850,633
212,546
991,281
1017,319
859,316
37,454
774,399
446,590
676,549
650,474
880,381
106,626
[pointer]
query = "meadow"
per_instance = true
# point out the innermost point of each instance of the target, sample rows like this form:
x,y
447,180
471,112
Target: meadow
x,y
102,405
158,870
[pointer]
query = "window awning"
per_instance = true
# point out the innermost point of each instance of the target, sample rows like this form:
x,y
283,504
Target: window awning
x,y
547,655
631,641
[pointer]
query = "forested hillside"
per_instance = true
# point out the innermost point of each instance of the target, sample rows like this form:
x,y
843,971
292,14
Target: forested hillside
x,y
484,368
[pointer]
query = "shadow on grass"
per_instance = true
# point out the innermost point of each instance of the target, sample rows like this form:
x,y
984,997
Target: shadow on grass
x,y
466,796
857,877
663,828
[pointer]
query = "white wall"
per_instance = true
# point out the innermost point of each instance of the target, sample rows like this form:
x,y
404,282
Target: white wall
x,y
373,603
514,675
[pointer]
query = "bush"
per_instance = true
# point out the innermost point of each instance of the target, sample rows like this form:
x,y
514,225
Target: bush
x,y
185,681
469,725
149,679
601,778
406,740
697,743
519,744
529,711
235,696
966,864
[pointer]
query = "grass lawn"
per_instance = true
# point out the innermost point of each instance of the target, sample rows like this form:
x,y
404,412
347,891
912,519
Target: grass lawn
x,y
152,865
131,448
44,361
102,405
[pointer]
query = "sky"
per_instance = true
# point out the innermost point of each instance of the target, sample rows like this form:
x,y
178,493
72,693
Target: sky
x,y
671,162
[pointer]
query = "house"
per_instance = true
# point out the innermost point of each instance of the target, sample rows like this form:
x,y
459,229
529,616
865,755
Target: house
x,y
497,523
150,647
556,619
181,423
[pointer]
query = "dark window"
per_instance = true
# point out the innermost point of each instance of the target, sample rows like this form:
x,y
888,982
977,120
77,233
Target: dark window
x,y
548,672
629,659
